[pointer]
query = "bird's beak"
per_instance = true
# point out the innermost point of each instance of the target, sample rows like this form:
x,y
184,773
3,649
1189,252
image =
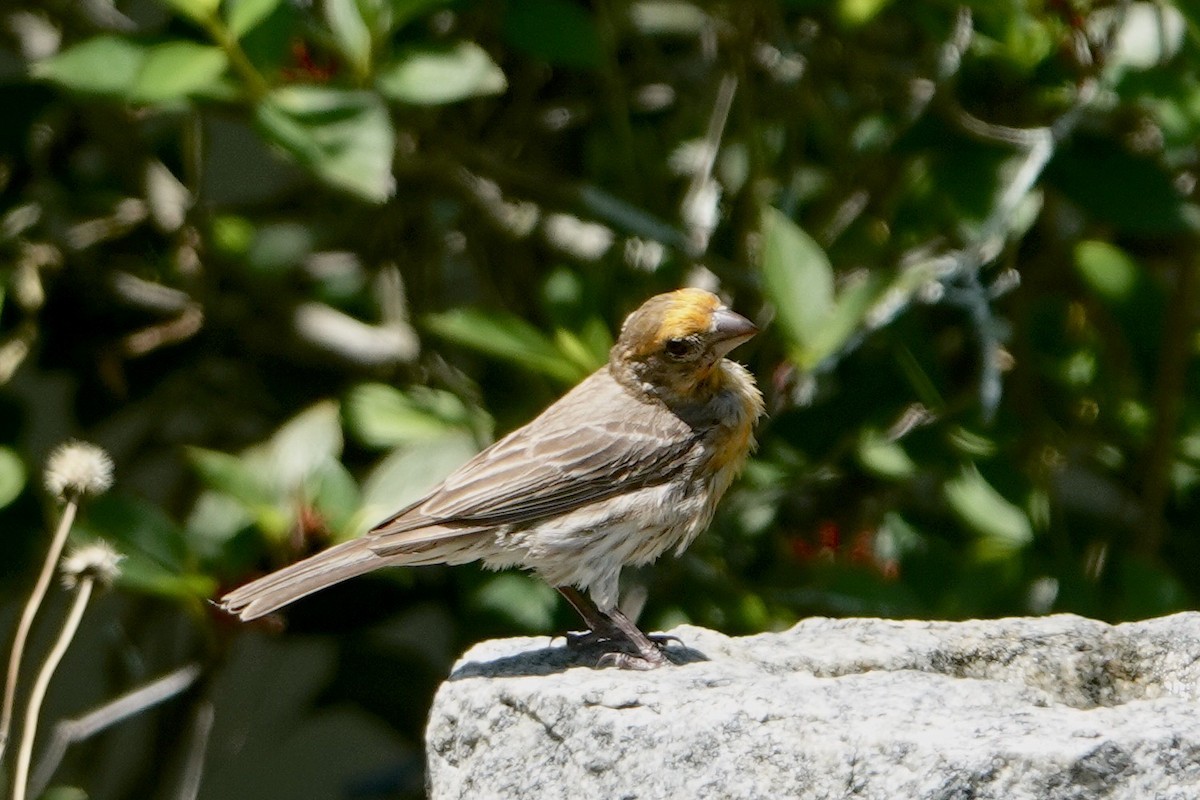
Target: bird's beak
x,y
730,329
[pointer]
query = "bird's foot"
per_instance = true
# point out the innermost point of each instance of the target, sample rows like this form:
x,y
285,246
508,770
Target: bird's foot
x,y
624,644
621,651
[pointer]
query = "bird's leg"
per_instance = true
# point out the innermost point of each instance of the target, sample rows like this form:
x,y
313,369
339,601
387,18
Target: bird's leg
x,y
613,627
600,627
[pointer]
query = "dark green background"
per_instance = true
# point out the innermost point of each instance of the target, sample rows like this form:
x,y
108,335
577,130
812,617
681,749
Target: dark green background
x,y
289,264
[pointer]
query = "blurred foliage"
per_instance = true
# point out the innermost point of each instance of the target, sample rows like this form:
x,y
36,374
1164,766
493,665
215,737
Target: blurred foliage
x,y
291,263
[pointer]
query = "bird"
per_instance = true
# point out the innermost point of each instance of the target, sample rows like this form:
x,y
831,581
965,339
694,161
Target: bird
x,y
627,465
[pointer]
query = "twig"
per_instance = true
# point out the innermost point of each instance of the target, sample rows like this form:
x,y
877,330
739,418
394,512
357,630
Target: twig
x,y
994,132
117,710
699,211
916,415
193,766
993,235
173,331
953,272
622,215
38,693
592,201
847,211
974,298
256,85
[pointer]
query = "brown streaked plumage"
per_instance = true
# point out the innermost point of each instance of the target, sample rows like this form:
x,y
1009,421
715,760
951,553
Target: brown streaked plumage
x,y
628,464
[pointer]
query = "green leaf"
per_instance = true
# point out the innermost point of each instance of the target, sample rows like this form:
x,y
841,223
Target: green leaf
x,y
304,445
64,793
434,76
850,308
558,31
137,528
345,138
411,471
232,235
1002,527
177,69
970,443
242,16
198,10
215,519
405,11
798,279
853,13
506,337
579,352
883,457
522,599
1028,40
920,381
233,476
267,480
144,575
12,476
594,335
351,33
382,416
1107,269
334,493
104,65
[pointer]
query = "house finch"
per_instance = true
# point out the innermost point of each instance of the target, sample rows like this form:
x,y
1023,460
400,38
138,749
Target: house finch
x,y
629,463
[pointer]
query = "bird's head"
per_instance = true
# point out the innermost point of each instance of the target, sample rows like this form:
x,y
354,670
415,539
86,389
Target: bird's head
x,y
673,340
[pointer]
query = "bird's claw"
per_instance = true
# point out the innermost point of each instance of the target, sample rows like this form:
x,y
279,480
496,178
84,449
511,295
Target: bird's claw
x,y
664,639
622,660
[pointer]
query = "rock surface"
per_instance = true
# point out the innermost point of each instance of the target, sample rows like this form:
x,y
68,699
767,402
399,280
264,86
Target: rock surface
x,y
1047,708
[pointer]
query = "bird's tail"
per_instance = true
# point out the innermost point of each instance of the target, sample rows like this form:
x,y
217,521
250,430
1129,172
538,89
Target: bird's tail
x,y
281,587
433,544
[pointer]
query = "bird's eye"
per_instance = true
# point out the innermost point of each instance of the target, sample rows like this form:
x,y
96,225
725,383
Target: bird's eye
x,y
678,348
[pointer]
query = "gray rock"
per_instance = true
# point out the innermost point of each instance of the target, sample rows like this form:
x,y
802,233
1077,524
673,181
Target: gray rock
x,y
1047,708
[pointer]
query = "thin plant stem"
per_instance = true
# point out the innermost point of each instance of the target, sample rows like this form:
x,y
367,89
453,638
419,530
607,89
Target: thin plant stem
x,y
193,766
27,615
103,717
38,693
256,85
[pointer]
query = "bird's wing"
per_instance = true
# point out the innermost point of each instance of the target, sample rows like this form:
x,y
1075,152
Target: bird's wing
x,y
585,448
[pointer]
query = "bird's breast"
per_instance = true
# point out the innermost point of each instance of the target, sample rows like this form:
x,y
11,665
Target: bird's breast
x,y
737,408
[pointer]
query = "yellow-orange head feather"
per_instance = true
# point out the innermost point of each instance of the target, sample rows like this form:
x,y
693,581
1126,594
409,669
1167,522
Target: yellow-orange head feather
x,y
671,343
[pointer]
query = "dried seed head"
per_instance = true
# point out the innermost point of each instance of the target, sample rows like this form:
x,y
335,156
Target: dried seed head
x,y
96,561
78,468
